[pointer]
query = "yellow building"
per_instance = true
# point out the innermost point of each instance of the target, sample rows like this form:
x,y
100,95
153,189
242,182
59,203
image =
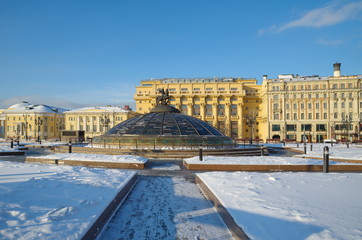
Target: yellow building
x,y
312,107
96,120
33,122
2,123
225,103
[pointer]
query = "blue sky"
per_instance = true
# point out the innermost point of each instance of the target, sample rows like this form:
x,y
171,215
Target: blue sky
x,y
85,53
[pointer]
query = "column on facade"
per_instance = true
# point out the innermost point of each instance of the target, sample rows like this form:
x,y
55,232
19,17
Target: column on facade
x,y
190,109
214,113
202,111
228,119
240,120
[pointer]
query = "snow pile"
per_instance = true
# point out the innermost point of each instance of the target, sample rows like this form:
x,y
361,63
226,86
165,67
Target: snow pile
x,y
338,151
257,160
291,205
54,202
95,157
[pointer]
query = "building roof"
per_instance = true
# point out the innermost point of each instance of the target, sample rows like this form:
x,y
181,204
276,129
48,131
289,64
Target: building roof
x,y
36,108
98,109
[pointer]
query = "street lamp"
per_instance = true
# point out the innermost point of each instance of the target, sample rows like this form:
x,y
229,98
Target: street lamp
x,y
346,122
60,126
38,122
250,121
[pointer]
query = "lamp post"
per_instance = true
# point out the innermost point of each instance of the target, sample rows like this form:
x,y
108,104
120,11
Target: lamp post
x,y
60,126
38,123
346,122
105,121
250,121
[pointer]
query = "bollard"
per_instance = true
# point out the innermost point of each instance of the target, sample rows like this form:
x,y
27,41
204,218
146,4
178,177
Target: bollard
x,y
17,142
297,144
70,147
200,153
311,147
305,148
326,159
12,144
347,144
262,150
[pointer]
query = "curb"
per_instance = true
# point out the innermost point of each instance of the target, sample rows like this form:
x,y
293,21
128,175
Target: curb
x,y
229,221
272,168
86,163
108,212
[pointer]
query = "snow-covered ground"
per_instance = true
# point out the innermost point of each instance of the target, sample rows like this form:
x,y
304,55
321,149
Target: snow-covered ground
x,y
54,202
338,151
258,160
291,205
5,147
95,157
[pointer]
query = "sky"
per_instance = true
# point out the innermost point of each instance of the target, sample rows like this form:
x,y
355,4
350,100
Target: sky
x,y
94,53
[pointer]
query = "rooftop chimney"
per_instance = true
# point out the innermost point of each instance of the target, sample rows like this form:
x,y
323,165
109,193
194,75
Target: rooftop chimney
x,y
337,70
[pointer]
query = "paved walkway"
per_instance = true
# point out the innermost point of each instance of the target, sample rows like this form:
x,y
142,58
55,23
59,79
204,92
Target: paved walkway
x,y
168,206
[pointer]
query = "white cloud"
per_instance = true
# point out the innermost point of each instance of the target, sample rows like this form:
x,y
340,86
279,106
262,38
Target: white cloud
x,y
329,42
329,15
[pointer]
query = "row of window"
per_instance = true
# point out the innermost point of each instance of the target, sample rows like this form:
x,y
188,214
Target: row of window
x,y
315,106
87,119
317,95
308,127
315,87
310,116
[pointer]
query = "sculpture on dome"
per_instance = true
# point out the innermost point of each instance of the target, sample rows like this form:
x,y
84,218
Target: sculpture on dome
x,y
164,99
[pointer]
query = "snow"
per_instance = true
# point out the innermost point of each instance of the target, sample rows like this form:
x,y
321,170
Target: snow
x,y
257,160
54,202
95,157
291,205
338,151
97,109
5,147
36,108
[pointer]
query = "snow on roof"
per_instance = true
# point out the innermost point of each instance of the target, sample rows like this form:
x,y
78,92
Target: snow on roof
x,y
99,109
38,108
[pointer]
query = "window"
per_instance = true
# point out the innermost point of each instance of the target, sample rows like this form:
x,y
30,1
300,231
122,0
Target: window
x,y
196,109
335,105
309,96
343,104
317,105
302,106
287,106
221,110
342,95
276,106
325,115
343,85
309,115
309,106
302,116
234,110
321,127
184,89
335,115
350,104
184,108
324,95
276,116
295,116
325,105
350,85
306,127
275,127
275,97
334,86
208,109
317,116
291,127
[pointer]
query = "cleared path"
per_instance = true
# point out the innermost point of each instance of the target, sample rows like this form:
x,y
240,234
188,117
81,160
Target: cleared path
x,y
166,207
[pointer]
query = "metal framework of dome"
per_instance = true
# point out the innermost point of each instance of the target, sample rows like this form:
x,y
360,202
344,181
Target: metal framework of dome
x,y
164,126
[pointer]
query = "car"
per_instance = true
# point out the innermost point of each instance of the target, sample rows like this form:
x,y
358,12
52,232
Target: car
x,y
330,141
